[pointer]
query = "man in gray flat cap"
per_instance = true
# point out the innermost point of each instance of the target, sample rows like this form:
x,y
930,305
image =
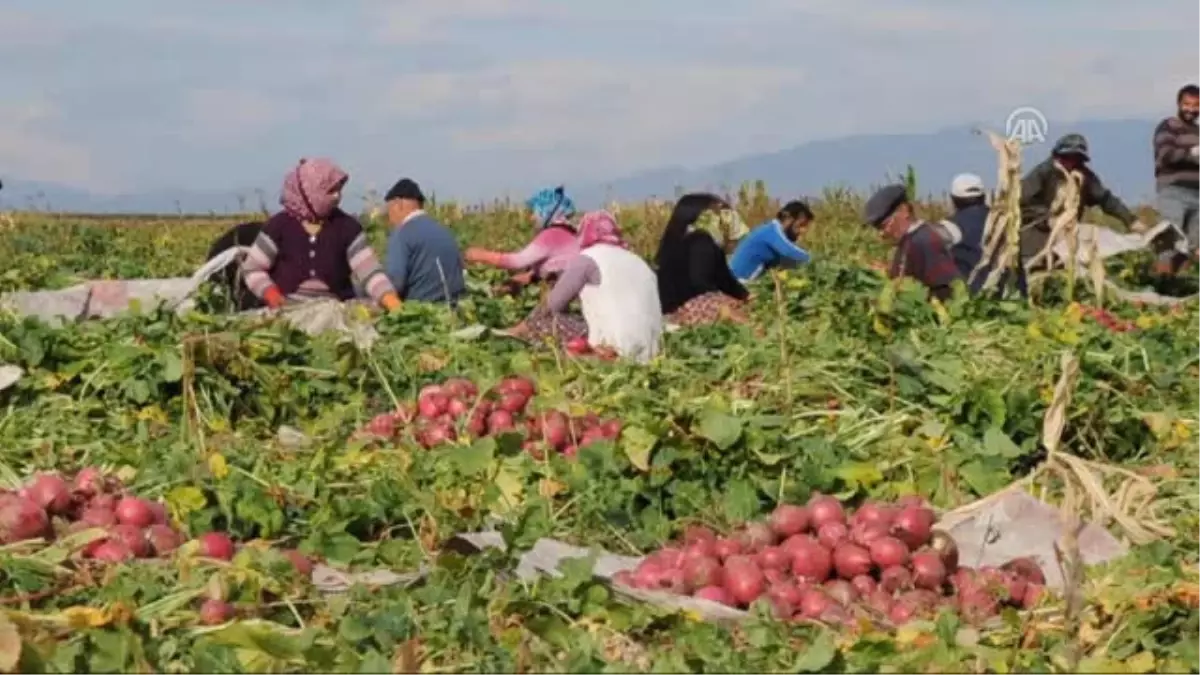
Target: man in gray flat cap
x,y
922,252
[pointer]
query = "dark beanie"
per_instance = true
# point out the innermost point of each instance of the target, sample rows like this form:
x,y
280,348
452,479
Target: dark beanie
x,y
406,188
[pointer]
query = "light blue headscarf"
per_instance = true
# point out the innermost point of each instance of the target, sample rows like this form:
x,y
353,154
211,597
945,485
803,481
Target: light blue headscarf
x,y
552,206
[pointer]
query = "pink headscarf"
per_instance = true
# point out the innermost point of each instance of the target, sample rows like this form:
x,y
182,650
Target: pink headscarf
x,y
308,189
599,227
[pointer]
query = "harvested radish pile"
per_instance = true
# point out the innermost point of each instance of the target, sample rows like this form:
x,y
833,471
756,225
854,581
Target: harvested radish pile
x,y
455,409
49,505
823,562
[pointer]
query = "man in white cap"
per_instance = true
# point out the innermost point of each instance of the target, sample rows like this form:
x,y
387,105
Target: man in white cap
x,y
970,219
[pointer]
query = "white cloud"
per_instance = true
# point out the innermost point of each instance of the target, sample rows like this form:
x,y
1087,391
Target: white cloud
x,y
23,30
420,21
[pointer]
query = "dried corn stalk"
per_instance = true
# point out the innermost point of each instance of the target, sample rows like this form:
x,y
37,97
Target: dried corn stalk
x,y
1002,231
1064,226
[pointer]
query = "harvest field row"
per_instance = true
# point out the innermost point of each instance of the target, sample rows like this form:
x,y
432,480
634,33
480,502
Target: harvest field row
x,y
843,384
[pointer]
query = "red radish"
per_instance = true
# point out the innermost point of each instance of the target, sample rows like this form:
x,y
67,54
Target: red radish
x,y
215,612
880,601
841,591
163,540
555,429
499,422
134,511
796,542
695,533
89,481
460,387
777,576
300,562
133,538
851,560
671,580
756,536
577,346
51,492
623,578
889,552
431,390
744,583
814,603
774,558
477,425
864,584
103,502
789,519
668,557
98,517
725,547
21,519
741,560
159,511
715,594
382,425
812,562
873,513
946,548
432,405
867,534
928,571
823,509
1015,586
786,591
457,408
436,435
977,605
902,612
1033,594
520,385
832,534
702,571
913,526
112,551
216,545
1027,568
780,608
896,578
513,402
611,429
702,548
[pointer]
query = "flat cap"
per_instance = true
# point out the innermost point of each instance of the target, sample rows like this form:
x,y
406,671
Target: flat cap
x,y
883,203
406,188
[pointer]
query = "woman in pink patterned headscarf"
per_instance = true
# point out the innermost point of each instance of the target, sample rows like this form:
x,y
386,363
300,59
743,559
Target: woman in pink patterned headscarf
x,y
616,289
313,249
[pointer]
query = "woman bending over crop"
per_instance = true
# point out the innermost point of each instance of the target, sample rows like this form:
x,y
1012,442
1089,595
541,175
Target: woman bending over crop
x,y
616,290
695,284
312,249
555,242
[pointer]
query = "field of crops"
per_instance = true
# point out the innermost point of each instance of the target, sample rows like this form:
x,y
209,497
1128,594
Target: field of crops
x,y
843,385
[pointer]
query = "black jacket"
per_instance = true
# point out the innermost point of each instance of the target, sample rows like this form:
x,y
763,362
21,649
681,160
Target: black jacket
x,y
1037,194
698,267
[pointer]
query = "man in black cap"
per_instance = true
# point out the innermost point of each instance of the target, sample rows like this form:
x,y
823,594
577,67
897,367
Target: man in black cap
x,y
921,251
1040,185
423,259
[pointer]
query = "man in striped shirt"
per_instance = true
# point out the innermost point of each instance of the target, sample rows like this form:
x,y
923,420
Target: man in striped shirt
x,y
1176,170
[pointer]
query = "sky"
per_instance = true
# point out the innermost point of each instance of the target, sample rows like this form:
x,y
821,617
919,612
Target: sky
x,y
477,98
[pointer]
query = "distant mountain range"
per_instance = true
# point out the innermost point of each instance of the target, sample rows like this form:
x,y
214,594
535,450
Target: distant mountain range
x,y
1120,150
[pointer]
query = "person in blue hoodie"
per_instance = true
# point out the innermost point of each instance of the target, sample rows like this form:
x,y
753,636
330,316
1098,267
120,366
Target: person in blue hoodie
x,y
773,244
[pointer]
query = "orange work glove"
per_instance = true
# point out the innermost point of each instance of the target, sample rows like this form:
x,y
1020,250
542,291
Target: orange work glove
x,y
273,297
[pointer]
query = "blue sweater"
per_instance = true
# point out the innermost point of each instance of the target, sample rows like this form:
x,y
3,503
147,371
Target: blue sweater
x,y
766,247
423,261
